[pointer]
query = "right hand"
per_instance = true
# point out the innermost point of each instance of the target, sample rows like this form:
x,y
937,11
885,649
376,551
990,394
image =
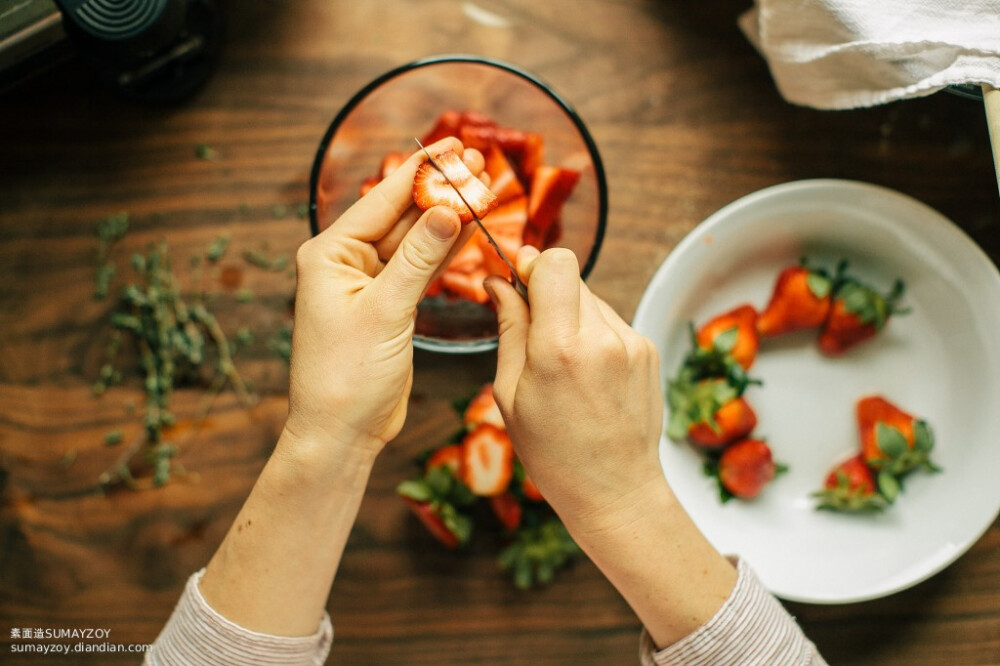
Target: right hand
x,y
579,391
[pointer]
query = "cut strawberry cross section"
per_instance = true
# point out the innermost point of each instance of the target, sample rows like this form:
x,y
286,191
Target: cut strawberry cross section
x,y
487,463
435,188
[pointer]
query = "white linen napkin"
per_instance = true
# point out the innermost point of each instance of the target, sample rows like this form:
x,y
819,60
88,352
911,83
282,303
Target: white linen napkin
x,y
839,54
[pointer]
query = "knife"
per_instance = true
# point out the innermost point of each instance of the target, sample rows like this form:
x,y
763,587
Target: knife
x,y
516,281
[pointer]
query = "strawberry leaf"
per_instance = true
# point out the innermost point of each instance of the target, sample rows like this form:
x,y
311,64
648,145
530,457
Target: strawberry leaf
x,y
890,440
819,285
923,439
725,342
415,489
888,486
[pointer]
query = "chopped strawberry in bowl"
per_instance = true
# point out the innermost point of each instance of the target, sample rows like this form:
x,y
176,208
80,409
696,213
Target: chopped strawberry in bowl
x,y
542,183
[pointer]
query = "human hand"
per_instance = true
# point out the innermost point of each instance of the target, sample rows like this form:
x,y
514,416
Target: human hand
x,y
579,391
359,283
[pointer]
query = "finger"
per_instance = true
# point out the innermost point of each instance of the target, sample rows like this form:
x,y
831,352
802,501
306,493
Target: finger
x,y
525,257
513,318
372,216
554,293
419,256
474,160
386,246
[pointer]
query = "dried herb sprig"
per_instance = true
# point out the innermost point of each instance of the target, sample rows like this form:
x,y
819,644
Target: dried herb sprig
x,y
177,341
110,230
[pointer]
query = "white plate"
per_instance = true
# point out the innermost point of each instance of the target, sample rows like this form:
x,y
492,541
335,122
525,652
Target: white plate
x,y
941,362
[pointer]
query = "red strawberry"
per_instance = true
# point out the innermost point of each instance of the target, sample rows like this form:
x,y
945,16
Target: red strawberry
x,y
483,409
487,464
447,456
466,285
429,514
851,486
745,467
507,510
858,312
525,150
732,421
503,179
734,332
434,288
551,187
431,188
469,257
891,439
506,224
801,299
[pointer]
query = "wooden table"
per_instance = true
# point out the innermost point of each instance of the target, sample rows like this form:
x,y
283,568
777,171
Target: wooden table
x,y
687,119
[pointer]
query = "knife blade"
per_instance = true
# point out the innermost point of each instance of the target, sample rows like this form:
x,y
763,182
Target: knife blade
x,y
516,281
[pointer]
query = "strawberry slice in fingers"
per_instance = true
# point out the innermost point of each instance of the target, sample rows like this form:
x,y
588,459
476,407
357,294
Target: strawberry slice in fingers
x,y
432,188
487,462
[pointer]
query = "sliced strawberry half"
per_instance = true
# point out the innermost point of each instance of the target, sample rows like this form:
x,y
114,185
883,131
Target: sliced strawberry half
x,y
503,178
432,188
551,187
430,515
487,464
483,409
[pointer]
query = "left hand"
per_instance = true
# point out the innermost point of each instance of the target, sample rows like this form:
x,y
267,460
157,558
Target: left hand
x,y
359,283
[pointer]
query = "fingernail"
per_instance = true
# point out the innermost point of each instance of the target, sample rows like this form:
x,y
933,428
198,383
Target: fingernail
x,y
441,225
490,291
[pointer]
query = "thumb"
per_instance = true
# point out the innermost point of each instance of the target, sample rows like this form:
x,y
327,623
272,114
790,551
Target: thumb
x,y
513,318
420,254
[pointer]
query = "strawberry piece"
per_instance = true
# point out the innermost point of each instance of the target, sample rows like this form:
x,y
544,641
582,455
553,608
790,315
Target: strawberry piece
x,y
434,288
466,285
801,299
507,510
891,439
551,187
851,486
432,188
730,422
506,224
447,124
487,463
483,409
447,456
469,257
503,178
857,314
431,517
746,467
525,150
733,332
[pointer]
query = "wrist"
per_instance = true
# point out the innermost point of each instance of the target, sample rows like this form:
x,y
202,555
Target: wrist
x,y
320,456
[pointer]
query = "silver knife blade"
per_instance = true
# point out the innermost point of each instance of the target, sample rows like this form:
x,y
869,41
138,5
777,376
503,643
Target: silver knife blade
x,y
519,285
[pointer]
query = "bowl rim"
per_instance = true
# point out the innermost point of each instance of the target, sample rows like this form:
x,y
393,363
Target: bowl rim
x,y
595,157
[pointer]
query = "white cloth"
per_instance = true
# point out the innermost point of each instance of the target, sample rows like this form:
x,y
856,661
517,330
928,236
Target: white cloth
x,y
839,54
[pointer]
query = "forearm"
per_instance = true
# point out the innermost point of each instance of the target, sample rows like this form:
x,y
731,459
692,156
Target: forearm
x,y
273,571
652,552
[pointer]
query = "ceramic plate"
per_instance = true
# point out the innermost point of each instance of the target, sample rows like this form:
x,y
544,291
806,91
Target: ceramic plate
x,y
941,362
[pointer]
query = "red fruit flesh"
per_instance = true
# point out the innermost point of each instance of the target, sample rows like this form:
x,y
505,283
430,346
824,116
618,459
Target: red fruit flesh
x,y
466,285
507,510
447,456
503,178
551,187
483,409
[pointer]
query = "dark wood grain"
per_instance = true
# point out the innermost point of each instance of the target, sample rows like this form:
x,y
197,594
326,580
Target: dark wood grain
x,y
687,119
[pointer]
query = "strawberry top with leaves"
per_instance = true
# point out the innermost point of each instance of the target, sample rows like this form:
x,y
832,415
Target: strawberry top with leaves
x,y
858,313
733,332
893,440
432,188
801,299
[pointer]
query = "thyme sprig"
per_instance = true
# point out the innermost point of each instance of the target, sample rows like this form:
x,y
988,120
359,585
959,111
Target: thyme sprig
x,y
178,341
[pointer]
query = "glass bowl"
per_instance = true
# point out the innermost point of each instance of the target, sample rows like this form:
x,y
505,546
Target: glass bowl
x,y
404,103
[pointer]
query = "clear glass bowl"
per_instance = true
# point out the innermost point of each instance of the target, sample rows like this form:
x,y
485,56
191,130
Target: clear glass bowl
x,y
404,103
